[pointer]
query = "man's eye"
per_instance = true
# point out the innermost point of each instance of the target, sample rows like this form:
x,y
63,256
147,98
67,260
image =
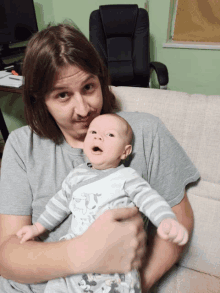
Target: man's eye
x,y
89,87
110,134
63,95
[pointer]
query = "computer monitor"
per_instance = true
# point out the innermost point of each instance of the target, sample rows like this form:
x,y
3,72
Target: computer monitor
x,y
17,24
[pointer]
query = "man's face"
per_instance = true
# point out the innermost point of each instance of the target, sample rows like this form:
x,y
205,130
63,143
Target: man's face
x,y
75,100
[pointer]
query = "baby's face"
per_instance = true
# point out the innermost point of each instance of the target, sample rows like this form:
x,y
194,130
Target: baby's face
x,y
106,144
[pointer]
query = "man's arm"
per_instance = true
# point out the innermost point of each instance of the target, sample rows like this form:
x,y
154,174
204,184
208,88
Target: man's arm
x,y
24,259
161,254
120,248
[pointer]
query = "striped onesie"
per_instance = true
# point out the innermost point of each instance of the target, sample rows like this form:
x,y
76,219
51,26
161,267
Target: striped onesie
x,y
86,193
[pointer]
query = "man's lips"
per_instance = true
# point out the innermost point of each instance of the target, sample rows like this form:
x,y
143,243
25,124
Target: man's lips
x,y
84,124
83,121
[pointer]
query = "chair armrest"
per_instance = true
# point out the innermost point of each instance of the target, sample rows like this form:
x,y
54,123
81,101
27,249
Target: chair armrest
x,y
162,73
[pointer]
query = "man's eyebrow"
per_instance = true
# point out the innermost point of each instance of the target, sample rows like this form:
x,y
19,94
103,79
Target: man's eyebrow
x,y
91,76
58,88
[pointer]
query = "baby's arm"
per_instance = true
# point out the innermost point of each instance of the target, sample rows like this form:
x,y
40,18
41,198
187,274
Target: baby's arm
x,y
170,229
30,231
155,208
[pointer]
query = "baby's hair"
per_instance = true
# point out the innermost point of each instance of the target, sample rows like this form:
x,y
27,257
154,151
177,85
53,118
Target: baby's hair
x,y
128,131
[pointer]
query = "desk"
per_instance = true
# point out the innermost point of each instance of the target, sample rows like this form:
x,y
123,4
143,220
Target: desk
x,y
3,126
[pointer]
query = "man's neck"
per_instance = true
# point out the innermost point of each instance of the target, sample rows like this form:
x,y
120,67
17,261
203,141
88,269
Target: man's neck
x,y
77,144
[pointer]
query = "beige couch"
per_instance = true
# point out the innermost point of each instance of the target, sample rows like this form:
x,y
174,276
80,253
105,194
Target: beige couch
x,y
194,120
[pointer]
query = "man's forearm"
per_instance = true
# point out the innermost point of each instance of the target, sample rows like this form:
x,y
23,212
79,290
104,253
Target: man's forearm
x,y
161,254
117,248
34,262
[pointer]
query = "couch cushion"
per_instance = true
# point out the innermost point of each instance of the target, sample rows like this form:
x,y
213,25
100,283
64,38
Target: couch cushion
x,y
203,253
183,280
194,120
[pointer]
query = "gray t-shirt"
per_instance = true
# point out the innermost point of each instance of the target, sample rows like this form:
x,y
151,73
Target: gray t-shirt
x,y
33,170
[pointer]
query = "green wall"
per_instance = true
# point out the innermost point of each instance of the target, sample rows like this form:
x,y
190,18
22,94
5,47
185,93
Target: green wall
x,y
190,70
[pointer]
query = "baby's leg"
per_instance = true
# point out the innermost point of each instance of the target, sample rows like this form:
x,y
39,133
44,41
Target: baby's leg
x,y
96,283
133,281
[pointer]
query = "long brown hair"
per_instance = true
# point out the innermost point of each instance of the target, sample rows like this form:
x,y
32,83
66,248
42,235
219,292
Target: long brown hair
x,y
47,52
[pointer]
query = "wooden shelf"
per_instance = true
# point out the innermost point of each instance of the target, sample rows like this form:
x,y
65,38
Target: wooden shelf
x,y
11,89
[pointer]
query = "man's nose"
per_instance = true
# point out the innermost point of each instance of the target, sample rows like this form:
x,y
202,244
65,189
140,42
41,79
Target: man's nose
x,y
82,108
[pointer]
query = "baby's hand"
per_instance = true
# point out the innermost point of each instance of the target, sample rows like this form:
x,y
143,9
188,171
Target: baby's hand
x,y
170,229
27,232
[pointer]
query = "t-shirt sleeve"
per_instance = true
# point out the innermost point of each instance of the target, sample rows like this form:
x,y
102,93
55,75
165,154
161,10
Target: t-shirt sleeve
x,y
169,167
15,191
148,200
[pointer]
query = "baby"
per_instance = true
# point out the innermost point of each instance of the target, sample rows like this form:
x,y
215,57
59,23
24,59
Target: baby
x,y
94,187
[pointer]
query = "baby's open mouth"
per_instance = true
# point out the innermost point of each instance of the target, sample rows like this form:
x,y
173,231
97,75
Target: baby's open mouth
x,y
96,149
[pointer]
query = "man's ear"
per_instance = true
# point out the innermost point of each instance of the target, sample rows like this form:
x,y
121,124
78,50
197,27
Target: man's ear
x,y
127,151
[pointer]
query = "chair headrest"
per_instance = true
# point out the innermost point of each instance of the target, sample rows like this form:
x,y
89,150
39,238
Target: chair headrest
x,y
119,20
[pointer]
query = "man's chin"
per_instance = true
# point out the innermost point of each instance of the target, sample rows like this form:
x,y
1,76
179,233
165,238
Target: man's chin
x,y
81,135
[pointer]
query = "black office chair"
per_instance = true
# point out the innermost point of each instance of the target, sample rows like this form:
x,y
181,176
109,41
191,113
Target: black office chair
x,y
120,33
3,127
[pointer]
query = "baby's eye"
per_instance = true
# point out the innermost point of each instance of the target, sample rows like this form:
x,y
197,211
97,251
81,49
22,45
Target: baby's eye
x,y
93,131
110,134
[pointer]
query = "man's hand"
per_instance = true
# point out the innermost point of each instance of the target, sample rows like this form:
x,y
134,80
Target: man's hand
x,y
115,242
